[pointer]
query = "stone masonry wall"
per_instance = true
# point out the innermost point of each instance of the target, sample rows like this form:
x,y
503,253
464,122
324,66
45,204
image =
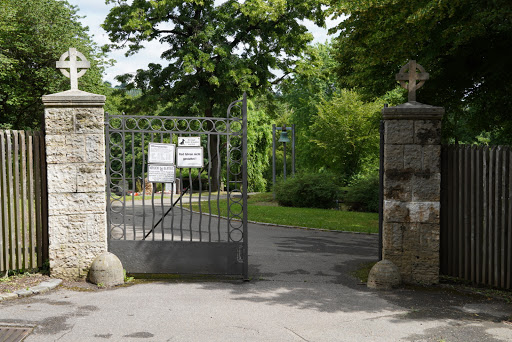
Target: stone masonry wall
x,y
75,155
412,185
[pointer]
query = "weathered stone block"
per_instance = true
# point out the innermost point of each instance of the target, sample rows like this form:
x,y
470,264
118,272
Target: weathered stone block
x,y
89,120
413,157
59,121
395,211
61,178
72,203
427,132
58,230
90,177
423,212
393,156
426,187
397,189
392,236
432,158
95,148
67,149
399,132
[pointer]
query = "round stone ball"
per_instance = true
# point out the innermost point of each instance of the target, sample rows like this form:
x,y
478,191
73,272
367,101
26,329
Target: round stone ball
x,y
106,270
384,275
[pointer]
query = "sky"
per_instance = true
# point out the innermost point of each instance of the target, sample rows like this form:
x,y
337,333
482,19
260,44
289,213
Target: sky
x,y
94,13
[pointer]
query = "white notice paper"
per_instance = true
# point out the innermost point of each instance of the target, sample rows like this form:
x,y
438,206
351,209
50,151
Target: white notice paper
x,y
161,173
161,153
189,157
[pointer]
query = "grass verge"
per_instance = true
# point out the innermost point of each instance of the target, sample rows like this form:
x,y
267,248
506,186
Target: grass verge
x,y
262,208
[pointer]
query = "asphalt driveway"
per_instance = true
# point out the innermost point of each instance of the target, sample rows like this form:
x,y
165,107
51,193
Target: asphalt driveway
x,y
300,290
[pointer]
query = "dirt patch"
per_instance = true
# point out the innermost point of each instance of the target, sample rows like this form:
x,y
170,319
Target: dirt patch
x,y
21,281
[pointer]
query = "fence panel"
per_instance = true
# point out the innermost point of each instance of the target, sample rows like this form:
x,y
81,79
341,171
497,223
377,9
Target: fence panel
x,y
23,209
476,215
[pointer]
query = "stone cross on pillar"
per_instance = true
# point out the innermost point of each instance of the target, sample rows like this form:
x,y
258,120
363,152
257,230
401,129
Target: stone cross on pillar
x,y
73,65
411,76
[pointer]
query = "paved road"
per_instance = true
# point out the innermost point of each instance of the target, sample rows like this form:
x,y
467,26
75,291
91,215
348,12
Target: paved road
x,y
301,290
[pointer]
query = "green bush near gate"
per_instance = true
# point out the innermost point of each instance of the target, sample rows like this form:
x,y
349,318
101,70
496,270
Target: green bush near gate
x,y
363,193
307,190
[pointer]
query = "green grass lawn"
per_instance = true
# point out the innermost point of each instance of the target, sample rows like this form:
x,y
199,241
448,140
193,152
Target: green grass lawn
x,y
262,208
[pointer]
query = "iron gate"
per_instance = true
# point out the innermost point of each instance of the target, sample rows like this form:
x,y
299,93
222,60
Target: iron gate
x,y
200,225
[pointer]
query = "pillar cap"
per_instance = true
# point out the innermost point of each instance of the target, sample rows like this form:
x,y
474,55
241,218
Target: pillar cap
x,y
413,111
74,97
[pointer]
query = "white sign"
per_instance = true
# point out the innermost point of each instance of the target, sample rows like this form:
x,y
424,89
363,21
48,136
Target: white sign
x,y
189,141
161,153
189,157
161,173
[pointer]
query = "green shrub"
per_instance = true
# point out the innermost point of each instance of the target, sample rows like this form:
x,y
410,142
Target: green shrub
x,y
308,191
363,193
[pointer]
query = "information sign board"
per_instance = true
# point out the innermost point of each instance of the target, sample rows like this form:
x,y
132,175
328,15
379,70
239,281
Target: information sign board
x,y
189,141
161,173
161,153
189,157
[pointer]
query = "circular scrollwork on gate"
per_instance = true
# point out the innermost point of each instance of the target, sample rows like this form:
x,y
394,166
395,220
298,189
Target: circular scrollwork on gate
x,y
116,233
195,126
115,123
207,126
235,126
143,124
130,123
220,126
157,124
169,124
236,235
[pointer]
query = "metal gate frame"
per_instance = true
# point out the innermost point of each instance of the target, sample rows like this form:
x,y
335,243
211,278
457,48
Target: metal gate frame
x,y
189,250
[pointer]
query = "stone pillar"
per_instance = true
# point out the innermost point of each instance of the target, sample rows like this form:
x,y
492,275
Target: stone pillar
x,y
75,155
412,186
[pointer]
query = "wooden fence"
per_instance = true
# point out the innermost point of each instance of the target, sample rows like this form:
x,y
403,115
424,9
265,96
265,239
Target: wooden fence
x,y
23,200
476,214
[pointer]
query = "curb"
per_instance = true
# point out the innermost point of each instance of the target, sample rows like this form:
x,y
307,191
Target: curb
x,y
45,286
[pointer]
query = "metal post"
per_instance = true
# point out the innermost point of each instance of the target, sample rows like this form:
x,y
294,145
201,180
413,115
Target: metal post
x,y
273,158
284,161
293,149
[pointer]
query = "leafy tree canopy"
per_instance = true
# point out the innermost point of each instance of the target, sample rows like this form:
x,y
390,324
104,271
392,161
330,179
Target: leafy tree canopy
x,y
465,45
215,51
33,36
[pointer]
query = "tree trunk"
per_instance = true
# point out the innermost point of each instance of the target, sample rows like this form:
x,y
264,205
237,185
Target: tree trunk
x,y
214,157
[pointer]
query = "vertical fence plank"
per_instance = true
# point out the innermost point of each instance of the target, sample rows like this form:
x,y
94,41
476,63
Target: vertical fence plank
x,y
17,199
444,206
466,166
503,220
4,218
485,212
478,213
497,217
10,199
30,199
453,225
472,212
509,230
23,198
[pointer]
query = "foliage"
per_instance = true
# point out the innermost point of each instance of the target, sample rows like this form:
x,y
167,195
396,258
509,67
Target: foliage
x,y
307,190
300,95
259,144
346,134
465,46
363,193
215,51
33,36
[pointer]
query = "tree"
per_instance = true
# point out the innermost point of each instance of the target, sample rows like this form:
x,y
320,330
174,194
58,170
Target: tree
x,y
215,52
33,36
345,134
465,46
